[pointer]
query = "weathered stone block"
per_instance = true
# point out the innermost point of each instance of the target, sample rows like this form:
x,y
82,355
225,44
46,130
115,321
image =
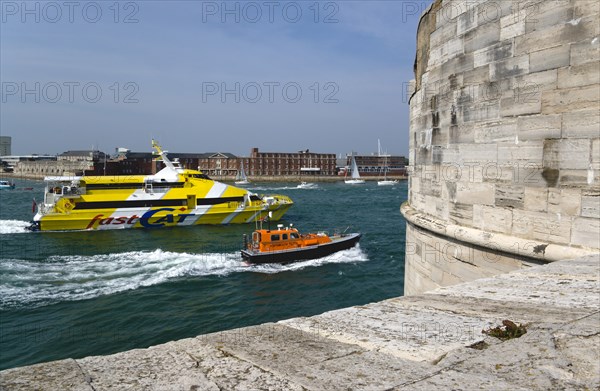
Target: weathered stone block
x,y
441,34
513,25
536,199
595,154
494,172
539,127
492,218
564,201
569,100
538,40
586,232
449,11
581,124
475,193
581,29
579,75
496,131
461,214
513,66
567,154
516,106
476,76
456,65
495,53
509,196
541,226
478,153
481,111
585,52
449,49
466,22
431,187
521,153
546,14
582,8
573,178
556,57
463,133
482,36
528,85
590,204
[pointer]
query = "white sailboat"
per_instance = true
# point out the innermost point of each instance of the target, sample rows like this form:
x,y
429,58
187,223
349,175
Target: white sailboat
x,y
355,175
241,178
384,181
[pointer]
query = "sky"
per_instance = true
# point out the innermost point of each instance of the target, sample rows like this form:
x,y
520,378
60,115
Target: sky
x,y
207,76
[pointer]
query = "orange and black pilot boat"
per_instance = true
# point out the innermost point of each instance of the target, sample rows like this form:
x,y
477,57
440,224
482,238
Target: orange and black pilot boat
x,y
285,245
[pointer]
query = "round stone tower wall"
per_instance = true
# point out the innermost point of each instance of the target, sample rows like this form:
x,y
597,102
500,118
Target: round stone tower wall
x,y
504,139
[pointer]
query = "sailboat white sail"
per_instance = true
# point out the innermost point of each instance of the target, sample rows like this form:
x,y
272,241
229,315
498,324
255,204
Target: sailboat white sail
x,y
241,178
355,175
385,181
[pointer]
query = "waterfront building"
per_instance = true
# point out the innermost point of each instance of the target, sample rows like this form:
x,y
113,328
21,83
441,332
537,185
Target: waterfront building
x,y
301,164
375,164
5,145
217,164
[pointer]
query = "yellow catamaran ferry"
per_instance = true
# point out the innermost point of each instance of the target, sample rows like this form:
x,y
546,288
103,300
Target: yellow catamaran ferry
x,y
172,197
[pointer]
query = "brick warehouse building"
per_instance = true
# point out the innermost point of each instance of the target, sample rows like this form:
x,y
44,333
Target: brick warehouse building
x,y
301,163
223,164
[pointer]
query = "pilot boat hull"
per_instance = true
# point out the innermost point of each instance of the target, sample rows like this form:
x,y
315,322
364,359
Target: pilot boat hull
x,y
338,243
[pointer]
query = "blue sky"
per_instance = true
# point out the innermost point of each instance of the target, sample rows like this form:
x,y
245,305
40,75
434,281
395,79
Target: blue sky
x,y
330,78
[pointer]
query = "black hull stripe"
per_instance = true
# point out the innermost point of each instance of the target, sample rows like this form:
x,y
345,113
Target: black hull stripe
x,y
136,185
177,202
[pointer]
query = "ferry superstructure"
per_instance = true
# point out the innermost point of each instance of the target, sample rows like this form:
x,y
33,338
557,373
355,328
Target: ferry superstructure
x,y
172,197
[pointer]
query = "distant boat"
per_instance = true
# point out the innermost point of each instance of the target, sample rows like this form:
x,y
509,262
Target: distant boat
x,y
6,185
384,181
241,178
306,185
285,245
355,175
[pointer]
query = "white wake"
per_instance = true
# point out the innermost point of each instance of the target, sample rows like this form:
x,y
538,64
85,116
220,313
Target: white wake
x,y
67,278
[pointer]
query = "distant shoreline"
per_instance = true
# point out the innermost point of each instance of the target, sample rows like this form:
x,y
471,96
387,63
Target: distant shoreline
x,y
269,178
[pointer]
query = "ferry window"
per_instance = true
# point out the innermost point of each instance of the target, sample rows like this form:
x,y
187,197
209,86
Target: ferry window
x,y
274,237
284,237
294,235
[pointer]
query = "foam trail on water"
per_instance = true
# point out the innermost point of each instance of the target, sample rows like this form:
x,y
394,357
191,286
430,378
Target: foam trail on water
x,y
13,226
67,278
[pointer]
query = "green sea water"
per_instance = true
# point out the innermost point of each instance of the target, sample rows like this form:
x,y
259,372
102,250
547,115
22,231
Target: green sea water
x,y
76,294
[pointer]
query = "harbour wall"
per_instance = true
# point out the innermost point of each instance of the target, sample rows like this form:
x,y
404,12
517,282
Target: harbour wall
x,y
431,341
504,145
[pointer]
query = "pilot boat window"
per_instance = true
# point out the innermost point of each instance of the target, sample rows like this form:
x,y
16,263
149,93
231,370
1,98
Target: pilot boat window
x,y
274,237
284,237
294,235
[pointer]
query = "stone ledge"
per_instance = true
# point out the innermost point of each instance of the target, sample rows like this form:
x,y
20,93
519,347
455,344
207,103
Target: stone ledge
x,y
521,247
431,341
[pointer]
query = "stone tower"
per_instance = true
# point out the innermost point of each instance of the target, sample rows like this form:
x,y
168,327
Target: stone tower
x,y
504,139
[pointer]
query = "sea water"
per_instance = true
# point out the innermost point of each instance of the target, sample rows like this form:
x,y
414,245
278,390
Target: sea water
x,y
76,294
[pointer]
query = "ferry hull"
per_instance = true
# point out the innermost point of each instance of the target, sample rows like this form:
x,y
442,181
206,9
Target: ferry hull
x,y
153,218
172,197
304,253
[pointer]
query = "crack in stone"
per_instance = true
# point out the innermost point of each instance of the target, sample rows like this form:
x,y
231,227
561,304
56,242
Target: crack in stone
x,y
86,376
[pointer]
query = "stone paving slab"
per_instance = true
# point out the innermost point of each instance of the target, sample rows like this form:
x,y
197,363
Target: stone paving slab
x,y
431,341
